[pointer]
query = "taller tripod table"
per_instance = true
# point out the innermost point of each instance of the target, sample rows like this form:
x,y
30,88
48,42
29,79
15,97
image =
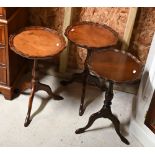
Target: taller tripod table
x,y
91,36
116,67
37,43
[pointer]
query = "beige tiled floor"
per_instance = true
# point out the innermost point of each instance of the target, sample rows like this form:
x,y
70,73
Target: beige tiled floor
x,y
54,122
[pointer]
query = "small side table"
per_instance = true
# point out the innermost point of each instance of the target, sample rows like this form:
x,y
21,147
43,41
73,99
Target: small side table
x,y
116,67
37,43
91,36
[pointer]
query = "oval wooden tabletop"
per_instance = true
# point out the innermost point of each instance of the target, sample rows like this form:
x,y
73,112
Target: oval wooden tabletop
x,y
91,35
117,66
37,42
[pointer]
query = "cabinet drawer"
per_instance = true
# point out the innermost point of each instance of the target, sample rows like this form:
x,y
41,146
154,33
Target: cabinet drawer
x,y
1,12
3,78
2,55
2,34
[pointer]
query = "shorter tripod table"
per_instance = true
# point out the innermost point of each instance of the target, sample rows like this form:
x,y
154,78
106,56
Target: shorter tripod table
x,y
37,43
91,36
114,66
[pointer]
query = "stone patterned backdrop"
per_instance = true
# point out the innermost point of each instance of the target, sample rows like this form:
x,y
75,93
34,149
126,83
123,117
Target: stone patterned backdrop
x,y
51,17
143,33
114,17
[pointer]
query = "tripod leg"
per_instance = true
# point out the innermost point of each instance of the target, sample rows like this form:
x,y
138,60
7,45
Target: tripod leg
x,y
116,123
92,118
41,86
27,120
74,77
34,86
82,109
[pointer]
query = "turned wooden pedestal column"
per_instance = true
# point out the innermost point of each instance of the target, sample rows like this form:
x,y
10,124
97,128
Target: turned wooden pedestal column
x,y
93,37
37,43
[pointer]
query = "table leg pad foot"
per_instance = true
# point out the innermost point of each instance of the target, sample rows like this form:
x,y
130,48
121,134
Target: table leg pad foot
x,y
57,97
81,112
123,139
27,122
79,131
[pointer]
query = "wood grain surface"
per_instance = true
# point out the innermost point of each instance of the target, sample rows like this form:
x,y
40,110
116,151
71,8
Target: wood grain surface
x,y
92,35
115,65
38,42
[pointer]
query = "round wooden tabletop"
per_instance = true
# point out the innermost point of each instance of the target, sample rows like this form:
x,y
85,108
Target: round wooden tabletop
x,y
117,66
37,42
91,35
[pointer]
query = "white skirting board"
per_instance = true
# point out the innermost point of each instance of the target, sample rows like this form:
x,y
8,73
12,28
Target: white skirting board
x,y
142,133
143,100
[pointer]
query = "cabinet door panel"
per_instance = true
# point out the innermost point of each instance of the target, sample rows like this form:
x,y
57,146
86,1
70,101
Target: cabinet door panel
x,y
1,12
3,79
2,34
2,55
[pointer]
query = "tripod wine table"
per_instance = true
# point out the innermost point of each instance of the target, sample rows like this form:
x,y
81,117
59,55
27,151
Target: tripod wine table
x,y
116,67
91,36
37,43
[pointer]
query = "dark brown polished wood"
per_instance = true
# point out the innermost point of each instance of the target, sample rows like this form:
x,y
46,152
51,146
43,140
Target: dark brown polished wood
x,y
37,43
115,66
44,42
11,64
91,36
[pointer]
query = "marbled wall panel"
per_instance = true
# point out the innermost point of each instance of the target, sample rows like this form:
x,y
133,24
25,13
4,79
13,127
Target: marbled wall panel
x,y
113,17
50,17
143,33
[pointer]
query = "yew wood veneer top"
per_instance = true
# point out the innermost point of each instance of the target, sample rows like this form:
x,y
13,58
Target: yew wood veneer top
x,y
37,42
117,66
91,35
